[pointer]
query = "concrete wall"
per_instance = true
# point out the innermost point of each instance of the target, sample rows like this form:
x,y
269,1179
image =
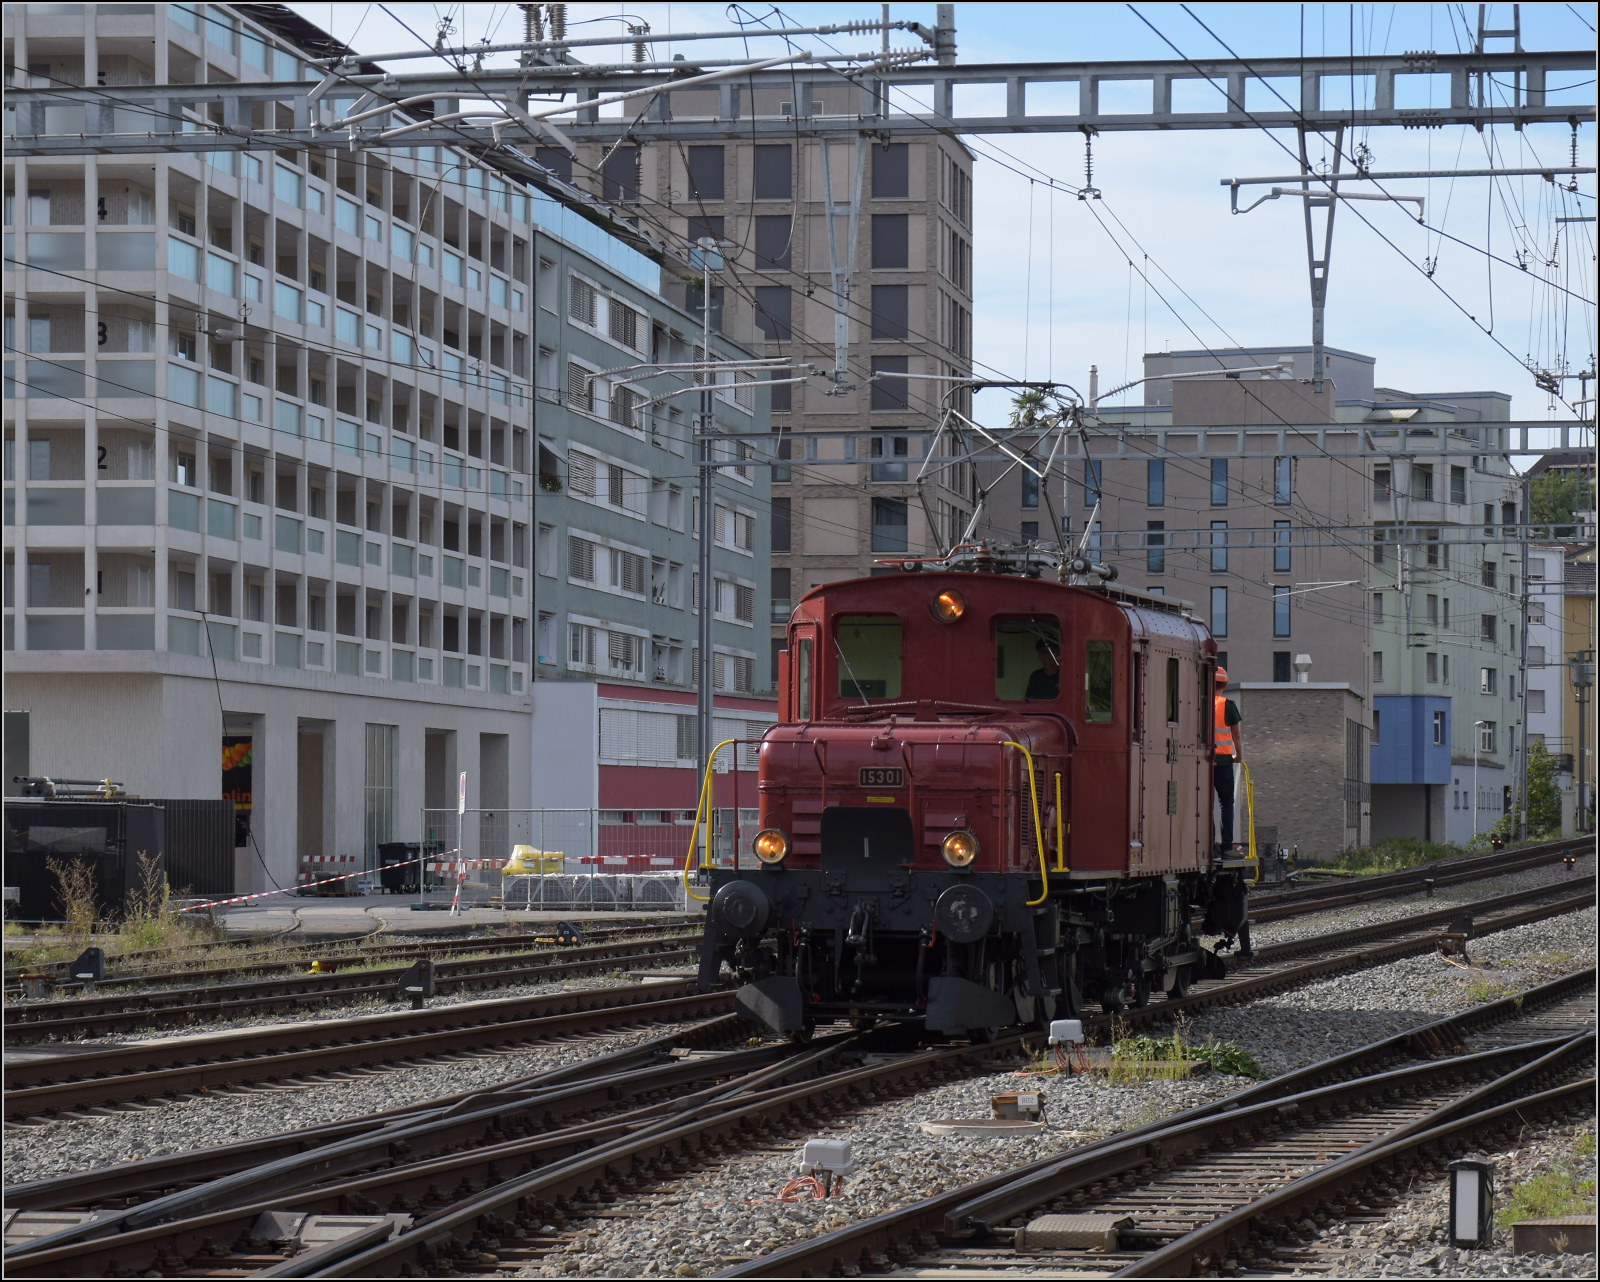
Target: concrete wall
x,y
1296,745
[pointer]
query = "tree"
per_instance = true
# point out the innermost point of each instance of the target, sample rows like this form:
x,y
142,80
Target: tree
x,y
1544,798
1556,497
1028,409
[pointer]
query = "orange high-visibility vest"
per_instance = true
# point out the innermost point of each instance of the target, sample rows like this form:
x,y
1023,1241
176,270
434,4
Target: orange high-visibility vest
x,y
1222,736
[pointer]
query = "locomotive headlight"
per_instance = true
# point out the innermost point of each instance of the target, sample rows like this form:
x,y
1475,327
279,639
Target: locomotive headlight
x,y
949,606
960,849
771,846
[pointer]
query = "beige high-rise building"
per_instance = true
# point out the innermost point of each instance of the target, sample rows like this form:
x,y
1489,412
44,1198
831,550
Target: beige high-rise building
x,y
909,312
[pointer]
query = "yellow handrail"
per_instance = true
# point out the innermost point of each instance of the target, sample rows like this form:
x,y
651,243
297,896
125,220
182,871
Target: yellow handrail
x,y
1038,828
1250,815
703,810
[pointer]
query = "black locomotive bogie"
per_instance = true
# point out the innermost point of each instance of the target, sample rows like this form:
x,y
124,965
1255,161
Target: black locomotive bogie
x,y
959,951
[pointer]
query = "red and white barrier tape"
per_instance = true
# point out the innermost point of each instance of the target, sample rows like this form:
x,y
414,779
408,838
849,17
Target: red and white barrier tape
x,y
288,890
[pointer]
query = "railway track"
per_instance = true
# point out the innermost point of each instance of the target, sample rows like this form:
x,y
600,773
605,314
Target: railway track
x,y
305,1050
265,996
345,953
1268,904
1244,1182
172,1067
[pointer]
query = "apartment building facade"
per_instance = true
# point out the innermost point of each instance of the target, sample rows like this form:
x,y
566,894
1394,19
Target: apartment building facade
x,y
1420,621
279,494
909,313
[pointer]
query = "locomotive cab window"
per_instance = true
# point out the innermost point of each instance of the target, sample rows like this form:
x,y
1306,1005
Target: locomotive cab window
x,y
1027,657
867,647
1097,681
802,679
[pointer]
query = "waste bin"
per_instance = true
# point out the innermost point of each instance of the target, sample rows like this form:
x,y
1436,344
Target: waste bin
x,y
400,869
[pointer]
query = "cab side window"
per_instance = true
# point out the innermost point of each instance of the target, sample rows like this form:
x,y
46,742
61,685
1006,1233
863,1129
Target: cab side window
x,y
1027,657
1098,672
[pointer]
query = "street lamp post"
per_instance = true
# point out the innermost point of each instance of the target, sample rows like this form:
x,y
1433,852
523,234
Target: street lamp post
x,y
1476,748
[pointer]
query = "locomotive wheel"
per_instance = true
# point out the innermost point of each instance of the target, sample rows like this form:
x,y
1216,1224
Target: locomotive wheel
x,y
1141,993
1180,983
804,1033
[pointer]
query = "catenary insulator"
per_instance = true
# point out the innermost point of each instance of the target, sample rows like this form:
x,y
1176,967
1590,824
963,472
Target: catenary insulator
x,y
558,22
532,23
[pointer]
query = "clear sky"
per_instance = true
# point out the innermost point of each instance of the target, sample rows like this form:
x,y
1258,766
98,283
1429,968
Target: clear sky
x,y
1061,283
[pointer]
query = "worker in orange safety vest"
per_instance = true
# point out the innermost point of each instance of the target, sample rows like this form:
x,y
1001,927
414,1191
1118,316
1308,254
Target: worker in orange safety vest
x,y
1229,747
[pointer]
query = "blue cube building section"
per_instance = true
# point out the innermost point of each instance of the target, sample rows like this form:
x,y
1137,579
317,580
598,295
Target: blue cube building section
x,y
1411,739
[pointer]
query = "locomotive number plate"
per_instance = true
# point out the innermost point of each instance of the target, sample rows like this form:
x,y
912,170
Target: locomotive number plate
x,y
882,777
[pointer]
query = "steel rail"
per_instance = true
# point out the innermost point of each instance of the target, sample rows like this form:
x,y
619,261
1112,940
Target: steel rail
x,y
168,1008
615,1148
496,1125
273,959
161,1174
204,1063
1337,1186
871,1244
1443,872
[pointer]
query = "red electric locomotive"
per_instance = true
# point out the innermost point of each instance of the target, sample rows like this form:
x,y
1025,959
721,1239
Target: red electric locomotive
x,y
987,800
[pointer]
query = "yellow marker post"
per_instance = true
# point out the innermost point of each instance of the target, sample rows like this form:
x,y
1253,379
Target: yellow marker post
x,y
1250,820
703,813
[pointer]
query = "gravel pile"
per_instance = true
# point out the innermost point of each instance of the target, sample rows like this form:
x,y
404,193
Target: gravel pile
x,y
1335,1015
60,1147
730,1212
1413,1242
1382,910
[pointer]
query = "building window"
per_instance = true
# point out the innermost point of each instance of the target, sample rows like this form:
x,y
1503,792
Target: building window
x,y
1280,610
774,175
1422,482
1488,680
1282,481
1535,702
1432,610
1377,667
1488,574
1377,607
890,311
1458,485
379,789
1430,666
1377,718
1155,483
1030,489
1486,736
774,241
1438,728
1219,482
1091,482
891,172
1280,547
1380,484
705,165
891,241
1219,547
1155,539
1219,612
888,525
1030,531
1488,627
891,393
620,176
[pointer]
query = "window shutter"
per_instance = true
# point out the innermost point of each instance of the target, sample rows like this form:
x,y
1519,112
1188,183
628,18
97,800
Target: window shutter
x,y
580,559
745,604
580,391
624,403
623,324
580,473
580,301
614,485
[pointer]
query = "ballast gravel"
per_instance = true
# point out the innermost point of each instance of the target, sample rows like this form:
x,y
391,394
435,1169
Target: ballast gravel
x,y
1383,910
1412,1242
732,1212
1310,1023
71,1144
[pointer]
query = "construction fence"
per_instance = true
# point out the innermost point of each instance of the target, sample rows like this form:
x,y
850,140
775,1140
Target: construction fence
x,y
570,859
